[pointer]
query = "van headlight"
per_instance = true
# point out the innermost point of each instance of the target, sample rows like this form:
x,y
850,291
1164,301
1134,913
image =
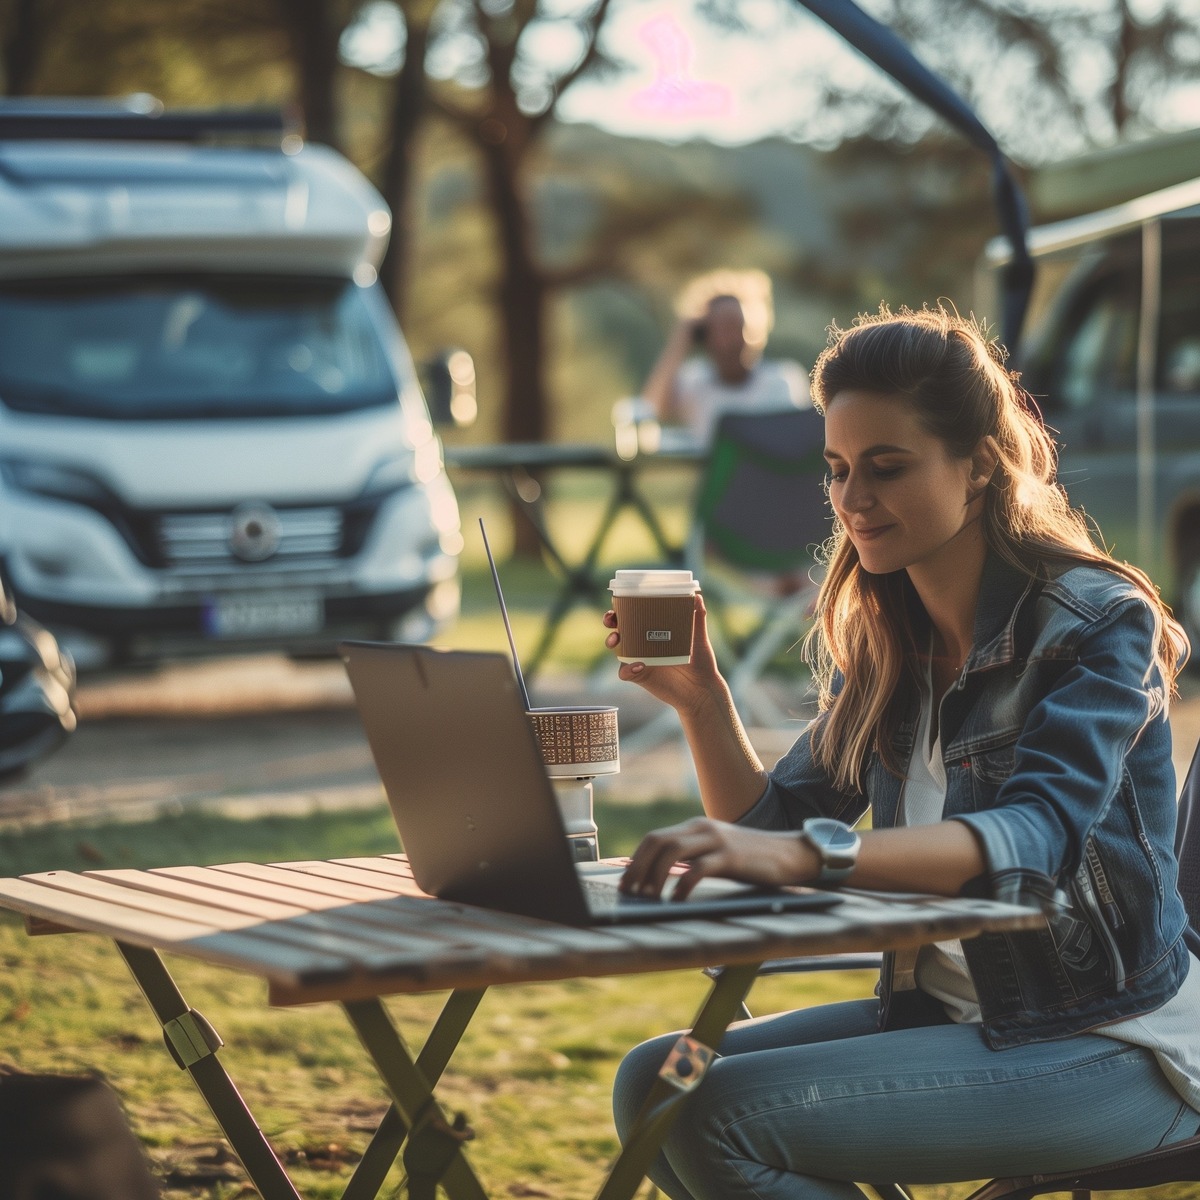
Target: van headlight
x,y
390,476
53,479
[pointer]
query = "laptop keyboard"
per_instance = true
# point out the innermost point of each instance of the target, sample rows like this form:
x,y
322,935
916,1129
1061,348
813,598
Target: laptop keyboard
x,y
604,894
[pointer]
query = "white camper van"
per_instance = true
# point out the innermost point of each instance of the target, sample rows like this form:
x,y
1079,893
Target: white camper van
x,y
211,433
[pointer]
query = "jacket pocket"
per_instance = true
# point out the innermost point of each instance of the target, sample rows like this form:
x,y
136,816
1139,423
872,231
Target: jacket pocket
x,y
991,766
1099,940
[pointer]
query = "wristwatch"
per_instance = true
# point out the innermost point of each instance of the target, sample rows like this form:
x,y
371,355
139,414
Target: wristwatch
x,y
836,844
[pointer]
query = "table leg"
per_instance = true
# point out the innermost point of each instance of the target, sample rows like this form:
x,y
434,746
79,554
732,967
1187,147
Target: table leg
x,y
377,1161
628,496
193,1043
683,1071
580,584
410,1088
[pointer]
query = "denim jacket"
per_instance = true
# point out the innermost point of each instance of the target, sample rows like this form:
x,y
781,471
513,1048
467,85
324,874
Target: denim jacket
x,y
1058,757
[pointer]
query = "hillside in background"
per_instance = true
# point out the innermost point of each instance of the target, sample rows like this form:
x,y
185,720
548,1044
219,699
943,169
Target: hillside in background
x,y
625,222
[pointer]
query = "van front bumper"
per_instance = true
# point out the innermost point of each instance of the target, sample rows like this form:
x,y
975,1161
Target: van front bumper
x,y
189,628
72,569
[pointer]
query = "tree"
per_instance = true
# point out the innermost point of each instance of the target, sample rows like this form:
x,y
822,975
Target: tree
x,y
27,25
198,51
314,30
500,97
505,117
406,111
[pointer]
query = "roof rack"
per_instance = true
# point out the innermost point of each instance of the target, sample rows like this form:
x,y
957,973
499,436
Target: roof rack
x,y
135,118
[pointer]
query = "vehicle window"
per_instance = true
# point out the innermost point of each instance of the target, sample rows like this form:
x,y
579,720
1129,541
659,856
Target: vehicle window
x,y
1100,356
1179,328
171,348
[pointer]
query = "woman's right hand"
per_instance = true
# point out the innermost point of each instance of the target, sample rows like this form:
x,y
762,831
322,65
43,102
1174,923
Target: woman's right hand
x,y
685,687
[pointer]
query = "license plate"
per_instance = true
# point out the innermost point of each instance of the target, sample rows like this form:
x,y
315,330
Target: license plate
x,y
265,613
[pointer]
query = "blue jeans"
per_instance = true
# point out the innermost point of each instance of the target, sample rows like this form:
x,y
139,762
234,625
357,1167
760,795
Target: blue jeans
x,y
801,1104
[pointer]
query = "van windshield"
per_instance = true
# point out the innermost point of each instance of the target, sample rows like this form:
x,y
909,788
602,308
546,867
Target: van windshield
x,y
168,348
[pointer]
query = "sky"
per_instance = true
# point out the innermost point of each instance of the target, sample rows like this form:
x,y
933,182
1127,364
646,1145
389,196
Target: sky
x,y
689,80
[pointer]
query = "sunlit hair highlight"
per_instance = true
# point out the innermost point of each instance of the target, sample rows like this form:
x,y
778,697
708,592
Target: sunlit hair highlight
x,y
863,648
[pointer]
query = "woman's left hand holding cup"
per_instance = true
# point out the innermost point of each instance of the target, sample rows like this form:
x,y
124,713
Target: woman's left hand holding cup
x,y
684,687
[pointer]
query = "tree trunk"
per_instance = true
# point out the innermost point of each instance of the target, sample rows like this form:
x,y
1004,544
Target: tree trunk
x,y
522,296
409,97
25,38
314,35
1123,51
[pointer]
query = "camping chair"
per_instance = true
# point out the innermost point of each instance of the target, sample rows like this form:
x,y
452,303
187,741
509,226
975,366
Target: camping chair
x,y
760,513
1177,1163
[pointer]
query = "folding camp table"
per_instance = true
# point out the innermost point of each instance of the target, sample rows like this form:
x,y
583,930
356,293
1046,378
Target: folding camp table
x,y
353,930
517,463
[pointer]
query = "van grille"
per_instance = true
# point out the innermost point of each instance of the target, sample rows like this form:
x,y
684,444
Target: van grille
x,y
202,540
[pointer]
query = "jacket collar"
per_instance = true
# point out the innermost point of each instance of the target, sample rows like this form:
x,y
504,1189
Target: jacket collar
x,y
1002,592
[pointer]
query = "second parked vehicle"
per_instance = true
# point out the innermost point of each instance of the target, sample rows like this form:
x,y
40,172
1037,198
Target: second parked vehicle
x,y
1113,356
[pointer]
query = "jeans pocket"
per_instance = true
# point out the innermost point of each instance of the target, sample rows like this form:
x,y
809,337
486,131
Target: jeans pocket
x,y
1185,1125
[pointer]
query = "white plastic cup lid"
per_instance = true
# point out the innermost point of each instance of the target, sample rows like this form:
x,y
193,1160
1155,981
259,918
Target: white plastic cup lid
x,y
673,582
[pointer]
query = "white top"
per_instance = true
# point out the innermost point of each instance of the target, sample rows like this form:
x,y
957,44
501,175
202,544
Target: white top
x,y
701,396
1171,1033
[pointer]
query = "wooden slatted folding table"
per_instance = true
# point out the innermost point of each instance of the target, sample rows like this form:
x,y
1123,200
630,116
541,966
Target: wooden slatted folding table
x,y
354,930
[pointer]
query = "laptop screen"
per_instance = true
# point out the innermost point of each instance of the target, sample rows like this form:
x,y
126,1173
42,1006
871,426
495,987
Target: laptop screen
x,y
463,776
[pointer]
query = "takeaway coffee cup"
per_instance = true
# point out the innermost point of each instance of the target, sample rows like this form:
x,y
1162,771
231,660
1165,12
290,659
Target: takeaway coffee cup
x,y
654,616
577,741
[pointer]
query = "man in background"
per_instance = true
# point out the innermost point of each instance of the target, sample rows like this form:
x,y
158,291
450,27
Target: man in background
x,y
713,360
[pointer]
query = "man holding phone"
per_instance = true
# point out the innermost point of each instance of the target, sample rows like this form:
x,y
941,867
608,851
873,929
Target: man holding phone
x,y
693,390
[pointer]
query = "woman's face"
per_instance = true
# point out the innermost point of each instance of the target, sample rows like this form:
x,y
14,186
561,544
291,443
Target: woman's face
x,y
901,496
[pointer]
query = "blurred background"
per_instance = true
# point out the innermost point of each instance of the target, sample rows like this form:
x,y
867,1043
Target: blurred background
x,y
558,170
557,174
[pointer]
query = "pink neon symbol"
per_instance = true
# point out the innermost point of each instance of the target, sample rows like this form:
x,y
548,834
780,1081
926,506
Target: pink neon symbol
x,y
673,93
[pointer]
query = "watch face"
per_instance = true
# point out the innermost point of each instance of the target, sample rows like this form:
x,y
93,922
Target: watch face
x,y
842,838
837,843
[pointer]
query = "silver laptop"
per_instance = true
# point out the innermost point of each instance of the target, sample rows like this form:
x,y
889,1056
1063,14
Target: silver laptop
x,y
474,807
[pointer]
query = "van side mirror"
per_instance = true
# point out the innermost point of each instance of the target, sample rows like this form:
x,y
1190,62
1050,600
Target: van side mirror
x,y
448,380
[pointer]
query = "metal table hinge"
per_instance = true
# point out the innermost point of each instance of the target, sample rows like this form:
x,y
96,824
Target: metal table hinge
x,y
687,1063
432,1144
190,1038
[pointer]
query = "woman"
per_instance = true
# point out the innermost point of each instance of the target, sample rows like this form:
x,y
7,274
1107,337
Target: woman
x,y
994,688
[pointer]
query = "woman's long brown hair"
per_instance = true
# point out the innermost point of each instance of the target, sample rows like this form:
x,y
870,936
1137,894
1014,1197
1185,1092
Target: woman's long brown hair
x,y
955,377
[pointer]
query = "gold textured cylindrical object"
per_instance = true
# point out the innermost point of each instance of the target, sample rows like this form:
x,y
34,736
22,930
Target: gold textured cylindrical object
x,y
577,741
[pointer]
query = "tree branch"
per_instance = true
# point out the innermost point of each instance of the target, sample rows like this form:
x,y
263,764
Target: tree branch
x,y
590,56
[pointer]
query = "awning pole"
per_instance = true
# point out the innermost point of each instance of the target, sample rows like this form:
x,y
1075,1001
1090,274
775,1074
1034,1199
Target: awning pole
x,y
1147,358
